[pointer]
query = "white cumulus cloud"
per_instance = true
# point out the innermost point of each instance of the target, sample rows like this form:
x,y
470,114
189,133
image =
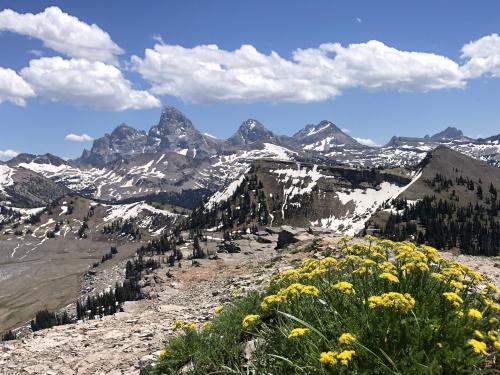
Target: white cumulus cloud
x,y
83,82
367,142
208,73
78,138
8,154
483,57
63,33
13,88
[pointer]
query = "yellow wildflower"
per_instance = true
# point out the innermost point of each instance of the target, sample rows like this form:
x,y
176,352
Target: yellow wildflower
x,y
479,347
492,305
492,335
478,334
438,276
496,344
345,356
370,238
204,325
163,354
346,338
491,287
344,287
387,267
249,320
475,314
452,272
328,358
401,303
457,285
297,332
328,262
269,300
217,309
178,324
389,277
190,326
296,289
454,298
362,271
415,266
431,253
289,275
493,320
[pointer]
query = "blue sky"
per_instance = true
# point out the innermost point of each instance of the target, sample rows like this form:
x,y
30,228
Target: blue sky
x,y
373,100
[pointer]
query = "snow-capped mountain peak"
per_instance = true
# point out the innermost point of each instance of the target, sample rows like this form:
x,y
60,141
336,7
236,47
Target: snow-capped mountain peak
x,y
323,137
251,131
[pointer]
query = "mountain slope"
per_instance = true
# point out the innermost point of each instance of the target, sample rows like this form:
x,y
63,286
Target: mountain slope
x,y
275,193
452,165
24,188
452,204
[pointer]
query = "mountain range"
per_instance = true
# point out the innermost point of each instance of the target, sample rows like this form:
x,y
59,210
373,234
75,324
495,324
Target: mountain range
x,y
177,163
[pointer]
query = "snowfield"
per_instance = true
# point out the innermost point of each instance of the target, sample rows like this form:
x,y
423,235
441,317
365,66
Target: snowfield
x,y
365,202
5,177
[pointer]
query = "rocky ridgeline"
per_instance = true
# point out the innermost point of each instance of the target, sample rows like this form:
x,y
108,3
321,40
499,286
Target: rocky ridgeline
x,y
130,341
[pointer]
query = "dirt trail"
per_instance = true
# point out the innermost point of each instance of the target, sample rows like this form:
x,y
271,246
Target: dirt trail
x,y
129,340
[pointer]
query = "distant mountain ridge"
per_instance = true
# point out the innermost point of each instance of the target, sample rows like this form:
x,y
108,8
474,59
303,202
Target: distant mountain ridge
x,y
177,162
175,132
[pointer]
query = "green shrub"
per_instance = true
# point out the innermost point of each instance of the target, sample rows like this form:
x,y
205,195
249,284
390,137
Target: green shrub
x,y
376,308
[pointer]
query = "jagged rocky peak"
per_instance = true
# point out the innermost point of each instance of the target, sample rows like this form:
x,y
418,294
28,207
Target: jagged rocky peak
x,y
123,142
172,123
324,127
323,136
450,133
123,132
175,132
251,131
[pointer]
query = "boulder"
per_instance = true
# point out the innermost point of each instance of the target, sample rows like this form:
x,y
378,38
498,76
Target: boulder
x,y
318,231
286,236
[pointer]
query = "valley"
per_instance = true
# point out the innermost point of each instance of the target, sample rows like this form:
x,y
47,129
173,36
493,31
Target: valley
x,y
45,256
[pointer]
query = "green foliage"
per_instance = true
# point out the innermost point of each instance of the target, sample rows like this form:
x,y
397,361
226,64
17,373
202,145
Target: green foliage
x,y
215,347
382,308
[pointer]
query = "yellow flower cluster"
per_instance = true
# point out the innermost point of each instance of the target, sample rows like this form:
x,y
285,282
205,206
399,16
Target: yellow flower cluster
x,y
475,314
297,332
217,309
180,324
401,303
346,338
332,358
249,320
344,287
454,298
389,277
291,291
479,347
309,269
